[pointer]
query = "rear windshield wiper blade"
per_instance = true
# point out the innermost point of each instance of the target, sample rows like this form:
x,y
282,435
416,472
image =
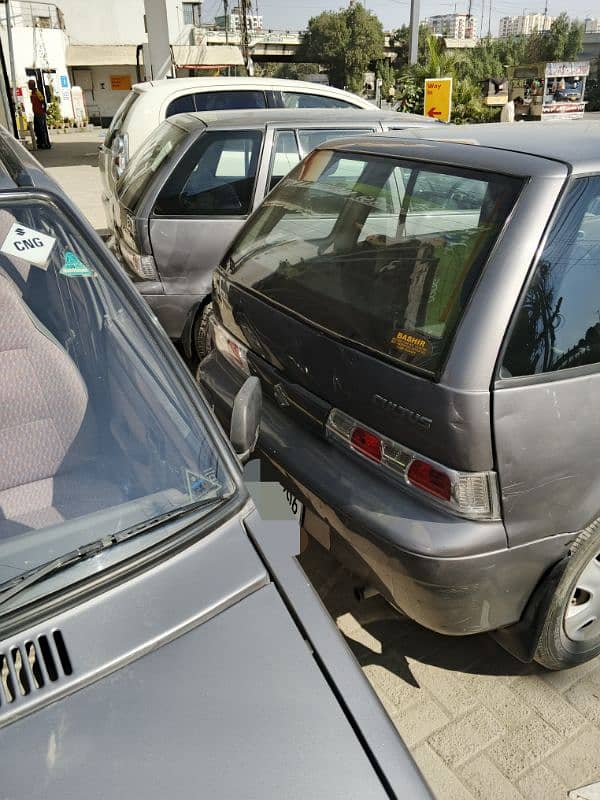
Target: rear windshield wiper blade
x,y
14,586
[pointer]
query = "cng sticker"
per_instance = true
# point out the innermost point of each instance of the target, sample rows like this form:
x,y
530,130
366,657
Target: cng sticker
x,y
74,268
28,244
438,98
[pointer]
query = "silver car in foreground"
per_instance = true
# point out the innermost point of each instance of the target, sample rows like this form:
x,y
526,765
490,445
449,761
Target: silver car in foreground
x,y
424,317
157,636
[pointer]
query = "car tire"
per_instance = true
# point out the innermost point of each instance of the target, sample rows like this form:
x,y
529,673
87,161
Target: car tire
x,y
571,630
202,342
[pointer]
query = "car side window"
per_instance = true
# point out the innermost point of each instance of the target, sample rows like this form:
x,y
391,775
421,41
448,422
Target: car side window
x,y
285,156
305,100
216,176
229,101
557,325
181,105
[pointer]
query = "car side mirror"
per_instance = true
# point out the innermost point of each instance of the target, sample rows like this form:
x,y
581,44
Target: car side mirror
x,y
245,418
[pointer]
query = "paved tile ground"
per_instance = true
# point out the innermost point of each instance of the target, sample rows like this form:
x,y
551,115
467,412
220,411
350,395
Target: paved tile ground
x,y
73,163
481,725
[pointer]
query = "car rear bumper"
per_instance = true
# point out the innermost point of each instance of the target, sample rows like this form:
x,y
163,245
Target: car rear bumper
x,y
452,575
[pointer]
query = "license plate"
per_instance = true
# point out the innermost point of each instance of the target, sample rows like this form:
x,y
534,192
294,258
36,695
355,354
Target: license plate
x,y
295,505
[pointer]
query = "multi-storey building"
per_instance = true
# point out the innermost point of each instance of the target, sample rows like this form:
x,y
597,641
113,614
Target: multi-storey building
x,y
592,25
524,24
453,26
233,22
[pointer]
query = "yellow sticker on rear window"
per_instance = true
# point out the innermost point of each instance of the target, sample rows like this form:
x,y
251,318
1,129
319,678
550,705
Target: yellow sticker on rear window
x,y
410,343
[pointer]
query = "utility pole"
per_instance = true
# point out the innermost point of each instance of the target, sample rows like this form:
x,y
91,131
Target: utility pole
x,y
11,53
245,40
159,48
226,13
490,20
413,34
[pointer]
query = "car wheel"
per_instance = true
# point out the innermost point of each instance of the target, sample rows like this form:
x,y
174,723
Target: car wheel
x,y
202,342
571,631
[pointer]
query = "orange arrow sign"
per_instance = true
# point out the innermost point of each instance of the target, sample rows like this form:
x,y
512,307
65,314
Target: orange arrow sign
x,y
433,112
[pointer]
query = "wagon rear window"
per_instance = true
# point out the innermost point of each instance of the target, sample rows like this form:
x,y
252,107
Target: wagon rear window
x,y
380,251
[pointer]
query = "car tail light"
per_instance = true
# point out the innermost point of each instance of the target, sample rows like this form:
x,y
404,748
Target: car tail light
x,y
142,266
430,479
229,347
473,495
366,443
120,154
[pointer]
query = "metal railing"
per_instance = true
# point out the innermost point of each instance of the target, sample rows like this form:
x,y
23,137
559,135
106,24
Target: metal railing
x,y
25,14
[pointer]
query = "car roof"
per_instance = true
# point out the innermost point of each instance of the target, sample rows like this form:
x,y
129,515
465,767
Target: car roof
x,y
341,118
169,85
572,142
19,169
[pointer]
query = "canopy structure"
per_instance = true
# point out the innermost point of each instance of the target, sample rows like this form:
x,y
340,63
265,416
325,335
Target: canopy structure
x,y
202,56
192,56
97,55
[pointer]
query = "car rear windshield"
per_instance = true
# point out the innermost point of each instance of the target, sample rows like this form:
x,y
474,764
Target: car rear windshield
x,y
380,251
159,146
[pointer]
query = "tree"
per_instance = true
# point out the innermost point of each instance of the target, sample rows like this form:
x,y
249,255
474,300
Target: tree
x,y
563,42
346,41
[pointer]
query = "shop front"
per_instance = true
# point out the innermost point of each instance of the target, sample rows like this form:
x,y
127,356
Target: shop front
x,y
549,90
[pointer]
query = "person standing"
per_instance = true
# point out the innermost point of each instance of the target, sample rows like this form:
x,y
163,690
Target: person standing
x,y
40,126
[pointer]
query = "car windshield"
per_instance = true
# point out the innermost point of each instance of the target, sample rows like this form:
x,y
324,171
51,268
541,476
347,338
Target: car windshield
x,y
97,434
379,251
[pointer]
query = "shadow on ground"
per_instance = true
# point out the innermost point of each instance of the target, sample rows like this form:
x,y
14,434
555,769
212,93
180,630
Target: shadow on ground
x,y
379,635
66,152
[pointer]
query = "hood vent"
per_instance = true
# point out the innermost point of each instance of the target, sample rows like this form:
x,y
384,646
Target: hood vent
x,y
30,666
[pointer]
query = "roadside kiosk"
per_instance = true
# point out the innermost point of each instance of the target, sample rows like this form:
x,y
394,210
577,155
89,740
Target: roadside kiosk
x,y
548,90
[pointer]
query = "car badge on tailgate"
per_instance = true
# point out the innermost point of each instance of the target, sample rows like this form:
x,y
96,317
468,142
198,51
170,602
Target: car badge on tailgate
x,y
409,415
280,395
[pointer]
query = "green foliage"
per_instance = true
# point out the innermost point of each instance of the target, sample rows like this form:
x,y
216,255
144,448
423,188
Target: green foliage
x,y
346,41
563,42
53,115
385,71
409,94
291,70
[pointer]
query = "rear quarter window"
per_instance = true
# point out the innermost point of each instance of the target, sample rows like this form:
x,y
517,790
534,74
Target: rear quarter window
x,y
557,324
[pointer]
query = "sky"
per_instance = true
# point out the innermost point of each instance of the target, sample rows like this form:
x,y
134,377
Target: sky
x,y
294,14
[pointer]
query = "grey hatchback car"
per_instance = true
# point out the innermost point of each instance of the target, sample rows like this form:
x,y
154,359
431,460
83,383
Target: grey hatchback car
x,y
192,185
157,636
423,316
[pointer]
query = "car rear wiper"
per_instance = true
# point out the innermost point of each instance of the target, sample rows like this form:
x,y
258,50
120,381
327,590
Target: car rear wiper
x,y
14,586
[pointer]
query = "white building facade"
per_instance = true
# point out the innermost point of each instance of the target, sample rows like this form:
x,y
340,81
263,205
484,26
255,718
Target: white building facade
x,y
592,25
524,25
94,44
453,26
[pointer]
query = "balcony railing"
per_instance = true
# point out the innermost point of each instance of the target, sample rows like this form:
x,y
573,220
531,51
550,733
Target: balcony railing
x,y
25,14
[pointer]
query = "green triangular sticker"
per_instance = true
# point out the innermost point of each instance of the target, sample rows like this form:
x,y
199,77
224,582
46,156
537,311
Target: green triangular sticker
x,y
74,268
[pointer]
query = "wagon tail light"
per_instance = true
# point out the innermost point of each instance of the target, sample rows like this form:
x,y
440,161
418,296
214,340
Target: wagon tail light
x,y
229,347
119,154
472,495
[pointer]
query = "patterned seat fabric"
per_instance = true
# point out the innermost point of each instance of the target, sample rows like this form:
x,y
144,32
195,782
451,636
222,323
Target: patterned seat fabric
x,y
43,403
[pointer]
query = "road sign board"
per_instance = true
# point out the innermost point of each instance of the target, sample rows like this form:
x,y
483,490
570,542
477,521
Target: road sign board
x,y
438,98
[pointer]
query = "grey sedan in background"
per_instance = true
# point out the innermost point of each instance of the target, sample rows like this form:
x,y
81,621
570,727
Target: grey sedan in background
x,y
194,182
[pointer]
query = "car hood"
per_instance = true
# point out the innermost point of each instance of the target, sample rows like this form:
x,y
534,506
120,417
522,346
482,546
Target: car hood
x,y
231,704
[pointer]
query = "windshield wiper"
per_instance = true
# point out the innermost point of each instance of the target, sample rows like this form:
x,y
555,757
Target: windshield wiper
x,y
14,586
